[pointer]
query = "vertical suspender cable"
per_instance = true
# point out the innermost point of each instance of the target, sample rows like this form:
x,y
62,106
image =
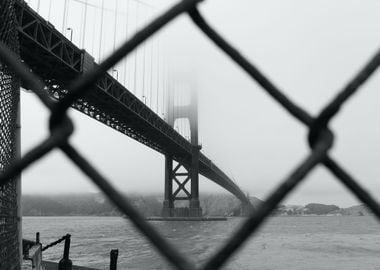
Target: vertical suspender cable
x,y
185,120
183,103
143,71
158,74
114,28
114,35
126,36
176,107
191,102
172,98
151,75
173,90
164,91
84,23
178,96
64,17
38,6
167,93
179,108
101,31
50,2
81,25
135,79
93,34
144,62
169,97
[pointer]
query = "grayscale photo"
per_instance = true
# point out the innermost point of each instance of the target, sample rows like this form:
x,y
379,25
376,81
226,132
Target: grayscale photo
x,y
189,134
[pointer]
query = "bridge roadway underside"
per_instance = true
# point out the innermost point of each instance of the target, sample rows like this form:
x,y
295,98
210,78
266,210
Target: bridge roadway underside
x,y
58,61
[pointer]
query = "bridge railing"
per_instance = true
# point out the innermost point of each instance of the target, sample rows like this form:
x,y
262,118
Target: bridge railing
x,y
320,137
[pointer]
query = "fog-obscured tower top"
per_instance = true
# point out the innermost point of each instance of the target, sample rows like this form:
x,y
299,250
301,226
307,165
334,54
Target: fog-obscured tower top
x,y
182,106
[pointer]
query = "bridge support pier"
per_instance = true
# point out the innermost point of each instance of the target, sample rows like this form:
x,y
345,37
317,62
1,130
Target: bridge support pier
x,y
246,209
168,205
195,208
182,175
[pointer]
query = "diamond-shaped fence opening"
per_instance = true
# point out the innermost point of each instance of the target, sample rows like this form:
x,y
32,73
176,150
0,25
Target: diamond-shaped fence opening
x,y
320,138
9,98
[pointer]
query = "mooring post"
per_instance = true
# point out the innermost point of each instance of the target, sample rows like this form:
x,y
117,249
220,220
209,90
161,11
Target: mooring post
x,y
65,263
37,238
113,263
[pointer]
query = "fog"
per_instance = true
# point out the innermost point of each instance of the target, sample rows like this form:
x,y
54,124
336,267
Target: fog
x,y
309,49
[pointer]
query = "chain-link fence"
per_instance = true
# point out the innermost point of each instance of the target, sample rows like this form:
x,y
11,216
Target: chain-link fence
x,y
9,98
320,137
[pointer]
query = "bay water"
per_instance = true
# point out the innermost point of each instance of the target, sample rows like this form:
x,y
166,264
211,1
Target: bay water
x,y
308,242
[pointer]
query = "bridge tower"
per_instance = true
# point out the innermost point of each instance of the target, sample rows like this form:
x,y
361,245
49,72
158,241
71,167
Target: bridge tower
x,y
182,180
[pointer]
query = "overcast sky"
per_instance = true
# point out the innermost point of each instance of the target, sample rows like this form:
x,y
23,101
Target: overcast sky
x,y
310,49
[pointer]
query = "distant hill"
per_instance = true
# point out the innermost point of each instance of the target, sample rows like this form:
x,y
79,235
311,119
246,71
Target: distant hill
x,y
357,210
319,209
84,204
151,205
45,206
98,205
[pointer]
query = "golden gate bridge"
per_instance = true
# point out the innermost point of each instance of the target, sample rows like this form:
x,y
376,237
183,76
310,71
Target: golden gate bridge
x,y
153,113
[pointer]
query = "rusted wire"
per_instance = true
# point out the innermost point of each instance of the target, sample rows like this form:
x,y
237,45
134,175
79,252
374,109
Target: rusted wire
x,y
320,138
52,244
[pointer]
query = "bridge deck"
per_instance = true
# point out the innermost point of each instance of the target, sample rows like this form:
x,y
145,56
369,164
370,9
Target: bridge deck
x,y
58,61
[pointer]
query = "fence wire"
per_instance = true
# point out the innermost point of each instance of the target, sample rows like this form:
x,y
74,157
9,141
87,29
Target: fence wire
x,y
9,98
320,137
